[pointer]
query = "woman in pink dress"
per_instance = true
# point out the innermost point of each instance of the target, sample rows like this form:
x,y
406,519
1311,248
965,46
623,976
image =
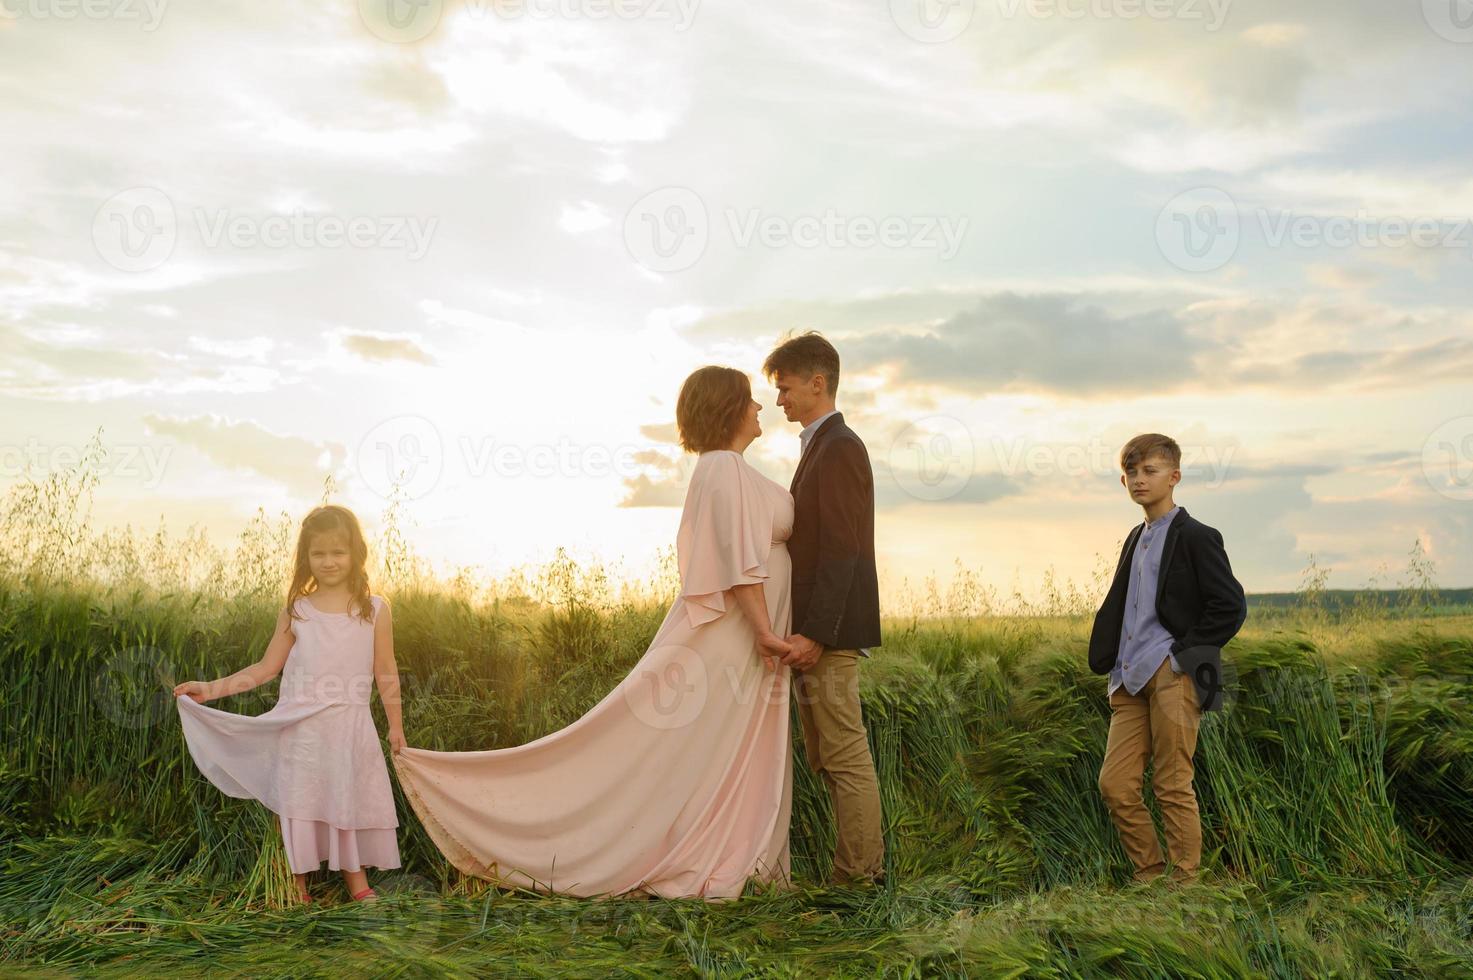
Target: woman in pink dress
x,y
679,782
314,758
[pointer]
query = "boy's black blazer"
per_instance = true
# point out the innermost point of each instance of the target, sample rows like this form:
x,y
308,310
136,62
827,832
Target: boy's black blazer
x,y
836,588
1198,600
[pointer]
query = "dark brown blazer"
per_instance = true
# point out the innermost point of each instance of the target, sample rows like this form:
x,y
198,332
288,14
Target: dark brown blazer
x,y
836,589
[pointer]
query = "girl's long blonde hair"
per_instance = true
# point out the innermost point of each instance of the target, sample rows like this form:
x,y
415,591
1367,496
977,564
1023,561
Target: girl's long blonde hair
x,y
327,519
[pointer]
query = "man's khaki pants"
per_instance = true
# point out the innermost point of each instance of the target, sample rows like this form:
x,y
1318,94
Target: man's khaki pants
x,y
1160,724
836,745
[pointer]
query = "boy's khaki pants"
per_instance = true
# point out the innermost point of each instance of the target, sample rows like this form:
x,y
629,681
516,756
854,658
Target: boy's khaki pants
x,y
1158,724
837,747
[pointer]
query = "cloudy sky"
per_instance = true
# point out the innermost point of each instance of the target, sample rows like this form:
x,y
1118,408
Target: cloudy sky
x,y
476,248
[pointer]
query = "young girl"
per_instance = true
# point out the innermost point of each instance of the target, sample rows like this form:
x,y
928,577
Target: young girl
x,y
314,759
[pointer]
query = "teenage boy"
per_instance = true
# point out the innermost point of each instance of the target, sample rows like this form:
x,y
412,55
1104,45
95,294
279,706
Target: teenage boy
x,y
1173,599
836,598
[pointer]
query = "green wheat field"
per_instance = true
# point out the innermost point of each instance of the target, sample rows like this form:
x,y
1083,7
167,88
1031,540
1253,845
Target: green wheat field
x,y
1336,789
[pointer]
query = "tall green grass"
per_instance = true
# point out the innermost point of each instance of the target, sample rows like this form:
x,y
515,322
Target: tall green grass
x,y
1335,790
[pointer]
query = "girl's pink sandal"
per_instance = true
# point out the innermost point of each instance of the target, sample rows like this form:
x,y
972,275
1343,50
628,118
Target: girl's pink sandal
x,y
367,895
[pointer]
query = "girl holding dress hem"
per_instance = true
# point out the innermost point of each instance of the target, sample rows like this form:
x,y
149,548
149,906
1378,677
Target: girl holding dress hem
x,y
315,758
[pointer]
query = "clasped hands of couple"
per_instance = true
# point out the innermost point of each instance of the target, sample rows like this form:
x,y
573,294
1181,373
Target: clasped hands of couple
x,y
797,651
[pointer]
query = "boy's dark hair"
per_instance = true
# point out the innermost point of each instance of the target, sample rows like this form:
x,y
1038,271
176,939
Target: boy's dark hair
x,y
805,355
1150,444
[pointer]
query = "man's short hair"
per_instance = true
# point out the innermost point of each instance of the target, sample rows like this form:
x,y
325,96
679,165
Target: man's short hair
x,y
805,355
1150,444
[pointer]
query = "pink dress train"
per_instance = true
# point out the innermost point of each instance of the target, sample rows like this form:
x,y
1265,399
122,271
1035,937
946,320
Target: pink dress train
x,y
679,781
315,758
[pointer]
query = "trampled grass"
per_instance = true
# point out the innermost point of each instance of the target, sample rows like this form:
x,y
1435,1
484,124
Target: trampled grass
x,y
1336,791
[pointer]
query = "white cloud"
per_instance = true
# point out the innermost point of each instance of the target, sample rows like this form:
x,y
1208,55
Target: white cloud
x,y
529,138
581,218
300,464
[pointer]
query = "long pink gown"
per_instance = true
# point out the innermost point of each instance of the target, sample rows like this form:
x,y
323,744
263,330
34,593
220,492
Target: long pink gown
x,y
315,758
679,782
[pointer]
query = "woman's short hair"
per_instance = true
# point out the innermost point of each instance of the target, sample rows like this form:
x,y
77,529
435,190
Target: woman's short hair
x,y
712,403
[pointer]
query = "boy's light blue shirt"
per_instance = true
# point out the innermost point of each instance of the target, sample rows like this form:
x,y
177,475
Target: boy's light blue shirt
x,y
1144,642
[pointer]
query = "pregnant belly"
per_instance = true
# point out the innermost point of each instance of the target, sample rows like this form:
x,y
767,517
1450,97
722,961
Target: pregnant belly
x,y
779,567
778,588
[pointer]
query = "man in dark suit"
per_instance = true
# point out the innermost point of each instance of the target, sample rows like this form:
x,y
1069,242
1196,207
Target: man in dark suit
x,y
836,597
1171,607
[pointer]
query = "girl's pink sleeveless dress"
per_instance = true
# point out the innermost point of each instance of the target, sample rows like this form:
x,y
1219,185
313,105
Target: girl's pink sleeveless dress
x,y
315,758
